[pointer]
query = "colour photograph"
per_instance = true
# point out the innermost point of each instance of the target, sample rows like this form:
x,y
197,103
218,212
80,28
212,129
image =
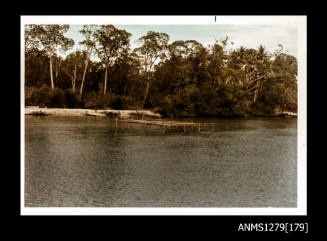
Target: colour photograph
x,y
170,115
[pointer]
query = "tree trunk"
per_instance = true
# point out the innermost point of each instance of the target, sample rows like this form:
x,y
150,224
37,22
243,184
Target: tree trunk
x,y
57,65
51,75
125,89
146,91
56,69
256,92
255,96
74,79
105,81
83,79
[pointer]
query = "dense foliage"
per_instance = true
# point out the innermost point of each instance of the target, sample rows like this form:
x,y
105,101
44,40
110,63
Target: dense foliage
x,y
181,79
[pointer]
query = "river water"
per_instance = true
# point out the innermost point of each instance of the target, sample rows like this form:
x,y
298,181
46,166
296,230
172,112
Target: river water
x,y
88,162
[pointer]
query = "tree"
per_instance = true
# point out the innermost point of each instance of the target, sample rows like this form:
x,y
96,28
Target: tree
x,y
283,79
255,65
58,64
36,67
184,49
111,43
73,62
89,42
181,55
216,62
154,45
50,38
261,71
28,43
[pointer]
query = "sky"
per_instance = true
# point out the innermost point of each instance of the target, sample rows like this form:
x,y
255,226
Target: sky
x,y
249,36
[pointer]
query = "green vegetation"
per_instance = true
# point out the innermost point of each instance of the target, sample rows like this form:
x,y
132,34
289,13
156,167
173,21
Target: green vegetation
x,y
181,79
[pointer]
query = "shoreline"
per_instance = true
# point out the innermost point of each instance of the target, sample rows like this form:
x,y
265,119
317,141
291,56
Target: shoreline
x,y
34,110
67,112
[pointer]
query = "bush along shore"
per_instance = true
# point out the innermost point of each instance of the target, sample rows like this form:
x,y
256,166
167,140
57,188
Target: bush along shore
x,y
180,79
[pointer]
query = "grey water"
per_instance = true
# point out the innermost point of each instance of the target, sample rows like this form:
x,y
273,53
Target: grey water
x,y
89,162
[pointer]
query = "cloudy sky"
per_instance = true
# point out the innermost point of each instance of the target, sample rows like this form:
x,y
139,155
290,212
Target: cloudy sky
x,y
249,36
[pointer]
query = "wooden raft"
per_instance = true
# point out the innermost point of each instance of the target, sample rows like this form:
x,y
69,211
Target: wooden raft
x,y
165,123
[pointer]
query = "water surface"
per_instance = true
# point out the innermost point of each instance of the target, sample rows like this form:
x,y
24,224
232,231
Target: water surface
x,y
88,162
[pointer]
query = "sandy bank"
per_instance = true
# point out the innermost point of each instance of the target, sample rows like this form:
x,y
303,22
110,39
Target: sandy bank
x,y
31,110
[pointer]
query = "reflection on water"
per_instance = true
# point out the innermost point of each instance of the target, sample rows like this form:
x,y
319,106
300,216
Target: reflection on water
x,y
87,162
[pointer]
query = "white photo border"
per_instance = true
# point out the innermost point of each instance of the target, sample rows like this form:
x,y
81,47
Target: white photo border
x,y
300,22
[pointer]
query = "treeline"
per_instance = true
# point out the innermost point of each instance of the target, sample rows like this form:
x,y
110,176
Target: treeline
x,y
181,79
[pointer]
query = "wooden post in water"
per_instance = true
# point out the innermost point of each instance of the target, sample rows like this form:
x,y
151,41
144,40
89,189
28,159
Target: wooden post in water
x,y
184,128
116,129
199,127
